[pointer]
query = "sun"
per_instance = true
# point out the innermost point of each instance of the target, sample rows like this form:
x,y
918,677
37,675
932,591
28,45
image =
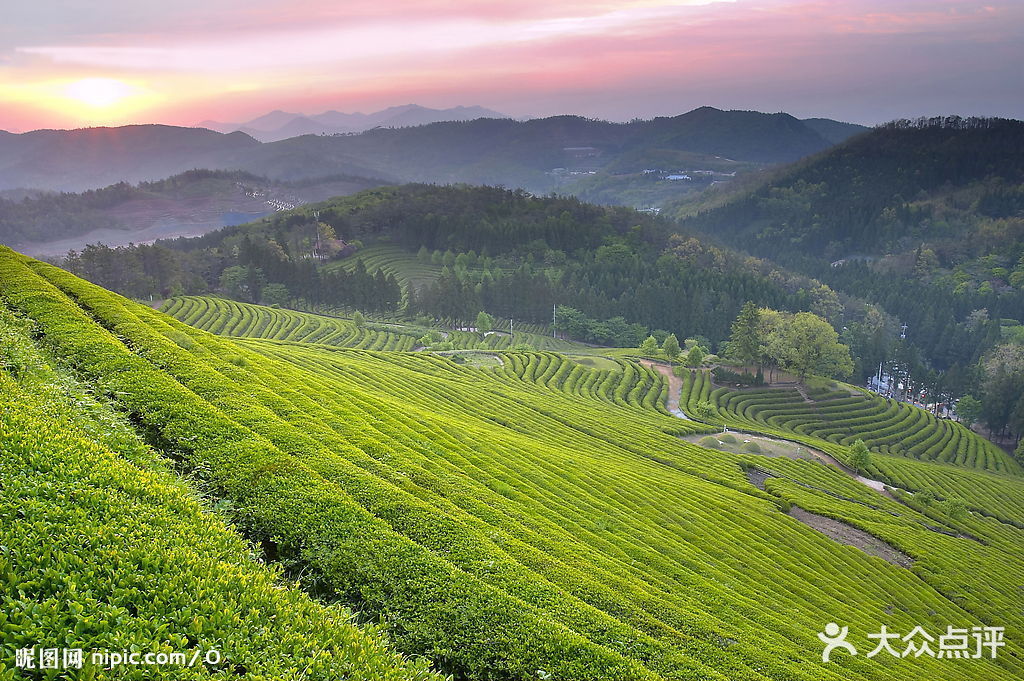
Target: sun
x,y
99,93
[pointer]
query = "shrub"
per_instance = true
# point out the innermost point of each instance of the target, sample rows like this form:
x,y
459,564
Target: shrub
x,y
752,447
723,375
728,438
954,507
711,442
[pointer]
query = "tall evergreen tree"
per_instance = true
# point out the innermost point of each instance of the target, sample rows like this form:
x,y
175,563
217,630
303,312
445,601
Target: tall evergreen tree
x,y
671,347
745,341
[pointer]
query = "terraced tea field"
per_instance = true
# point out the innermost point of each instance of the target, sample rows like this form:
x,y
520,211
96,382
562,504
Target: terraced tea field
x,y
102,545
405,267
533,519
842,415
230,318
627,383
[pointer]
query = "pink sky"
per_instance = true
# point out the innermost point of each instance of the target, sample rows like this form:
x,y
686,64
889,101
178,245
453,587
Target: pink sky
x,y
111,62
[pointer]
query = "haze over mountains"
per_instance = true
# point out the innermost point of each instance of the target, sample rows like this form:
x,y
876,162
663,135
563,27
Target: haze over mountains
x,y
539,155
279,125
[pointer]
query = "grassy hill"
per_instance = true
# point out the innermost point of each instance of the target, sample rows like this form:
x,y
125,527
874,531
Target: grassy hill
x,y
504,521
105,546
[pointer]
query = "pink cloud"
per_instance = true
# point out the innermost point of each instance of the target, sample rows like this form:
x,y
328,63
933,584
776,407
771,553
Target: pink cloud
x,y
653,56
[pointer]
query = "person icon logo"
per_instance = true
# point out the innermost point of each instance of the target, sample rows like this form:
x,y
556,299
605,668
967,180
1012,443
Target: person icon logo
x,y
835,637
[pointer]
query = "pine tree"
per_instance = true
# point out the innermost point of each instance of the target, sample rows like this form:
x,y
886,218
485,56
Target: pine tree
x,y
649,348
745,341
671,347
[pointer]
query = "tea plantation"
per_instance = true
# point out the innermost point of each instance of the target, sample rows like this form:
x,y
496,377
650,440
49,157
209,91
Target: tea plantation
x,y
842,414
526,518
230,318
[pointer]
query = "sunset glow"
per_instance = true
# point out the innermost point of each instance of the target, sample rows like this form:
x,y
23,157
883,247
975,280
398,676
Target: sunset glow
x,y
99,93
861,60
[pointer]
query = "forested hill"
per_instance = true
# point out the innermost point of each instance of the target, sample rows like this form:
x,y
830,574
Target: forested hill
x,y
942,181
925,218
459,250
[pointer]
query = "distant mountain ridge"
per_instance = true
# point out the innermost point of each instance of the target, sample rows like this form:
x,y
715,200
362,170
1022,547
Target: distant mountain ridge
x,y
560,153
279,125
90,158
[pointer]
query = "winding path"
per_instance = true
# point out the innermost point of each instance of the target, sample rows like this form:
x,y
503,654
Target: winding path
x,y
675,388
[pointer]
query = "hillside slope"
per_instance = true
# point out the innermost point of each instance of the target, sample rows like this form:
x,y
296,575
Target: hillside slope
x,y
939,181
925,218
103,547
508,529
74,160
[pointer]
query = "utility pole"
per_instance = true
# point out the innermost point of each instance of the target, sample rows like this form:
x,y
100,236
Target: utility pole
x,y
511,337
553,321
316,229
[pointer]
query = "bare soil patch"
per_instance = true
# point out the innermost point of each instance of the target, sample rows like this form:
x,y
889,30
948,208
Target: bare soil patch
x,y
851,536
757,477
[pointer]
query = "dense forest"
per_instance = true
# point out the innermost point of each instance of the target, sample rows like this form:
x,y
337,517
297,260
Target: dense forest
x,y
506,252
922,218
933,180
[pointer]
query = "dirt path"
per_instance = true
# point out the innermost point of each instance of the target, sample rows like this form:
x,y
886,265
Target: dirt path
x,y
838,531
803,393
876,485
675,387
852,536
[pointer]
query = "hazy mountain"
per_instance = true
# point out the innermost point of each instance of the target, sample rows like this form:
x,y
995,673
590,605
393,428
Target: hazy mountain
x,y
413,114
302,125
564,153
272,120
72,160
833,131
568,154
339,119
189,204
279,125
